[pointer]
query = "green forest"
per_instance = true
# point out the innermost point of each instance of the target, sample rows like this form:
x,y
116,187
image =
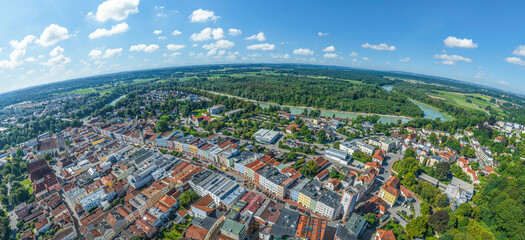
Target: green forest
x,y
312,92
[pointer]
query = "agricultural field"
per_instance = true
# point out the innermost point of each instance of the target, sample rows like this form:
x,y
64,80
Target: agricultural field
x,y
81,91
460,100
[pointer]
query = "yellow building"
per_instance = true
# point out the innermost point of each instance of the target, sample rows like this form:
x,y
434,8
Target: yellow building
x,y
304,200
390,191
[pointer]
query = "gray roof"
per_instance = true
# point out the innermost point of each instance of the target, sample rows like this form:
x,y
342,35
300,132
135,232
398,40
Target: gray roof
x,y
356,223
331,199
286,225
345,234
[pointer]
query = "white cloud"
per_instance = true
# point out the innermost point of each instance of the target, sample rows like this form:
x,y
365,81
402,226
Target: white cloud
x,y
365,59
451,59
207,34
175,54
30,59
109,53
520,51
462,43
303,52
407,59
515,60
175,33
117,10
144,47
354,54
16,58
102,32
55,52
280,56
234,32
380,47
162,37
174,47
200,15
220,44
232,56
217,33
22,44
259,36
57,61
157,32
95,54
254,55
330,55
263,47
112,53
329,49
480,73
52,35
322,34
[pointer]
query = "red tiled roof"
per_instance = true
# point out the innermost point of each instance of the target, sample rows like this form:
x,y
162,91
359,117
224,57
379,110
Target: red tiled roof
x,y
385,235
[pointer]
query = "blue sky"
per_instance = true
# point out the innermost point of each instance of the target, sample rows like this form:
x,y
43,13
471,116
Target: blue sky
x,y
51,40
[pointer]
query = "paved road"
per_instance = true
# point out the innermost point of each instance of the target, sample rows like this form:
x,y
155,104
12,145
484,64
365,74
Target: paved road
x,y
394,214
417,208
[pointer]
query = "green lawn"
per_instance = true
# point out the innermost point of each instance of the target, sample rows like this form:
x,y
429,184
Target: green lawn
x,y
199,113
176,232
27,184
458,99
81,91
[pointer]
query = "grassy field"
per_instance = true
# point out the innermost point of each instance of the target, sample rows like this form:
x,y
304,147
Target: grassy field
x,y
27,184
81,91
177,231
355,82
459,99
199,113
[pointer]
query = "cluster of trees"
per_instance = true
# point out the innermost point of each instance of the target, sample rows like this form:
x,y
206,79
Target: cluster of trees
x,y
4,225
15,135
498,211
312,92
186,198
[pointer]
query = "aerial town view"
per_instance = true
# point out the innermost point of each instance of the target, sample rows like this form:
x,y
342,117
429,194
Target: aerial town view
x,y
240,120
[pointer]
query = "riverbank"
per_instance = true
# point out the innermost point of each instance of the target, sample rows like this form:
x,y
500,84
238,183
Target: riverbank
x,y
431,112
297,110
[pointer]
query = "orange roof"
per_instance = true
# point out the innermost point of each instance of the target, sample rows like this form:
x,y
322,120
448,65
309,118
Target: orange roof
x,y
379,155
321,161
323,173
256,165
373,164
385,235
168,201
334,181
311,228
405,191
291,172
293,126
391,186
195,232
269,160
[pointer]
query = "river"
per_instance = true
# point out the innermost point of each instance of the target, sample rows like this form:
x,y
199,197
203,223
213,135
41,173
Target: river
x,y
431,112
428,111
